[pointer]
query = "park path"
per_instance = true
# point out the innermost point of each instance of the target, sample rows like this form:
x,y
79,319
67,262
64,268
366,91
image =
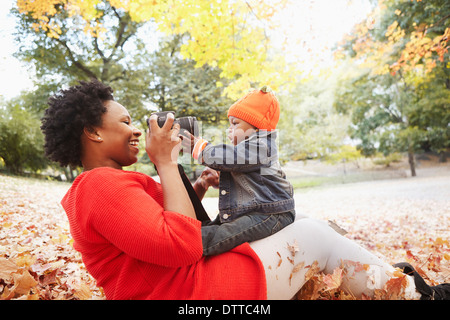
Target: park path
x,y
429,193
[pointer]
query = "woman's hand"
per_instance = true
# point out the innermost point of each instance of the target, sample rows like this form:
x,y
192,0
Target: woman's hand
x,y
163,144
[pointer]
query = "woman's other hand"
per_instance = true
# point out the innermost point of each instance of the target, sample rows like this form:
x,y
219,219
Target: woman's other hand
x,y
188,141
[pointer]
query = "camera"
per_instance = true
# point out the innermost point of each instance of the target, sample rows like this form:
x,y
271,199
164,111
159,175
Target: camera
x,y
189,124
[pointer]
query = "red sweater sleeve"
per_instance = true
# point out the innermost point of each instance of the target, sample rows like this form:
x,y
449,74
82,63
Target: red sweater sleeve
x,y
125,209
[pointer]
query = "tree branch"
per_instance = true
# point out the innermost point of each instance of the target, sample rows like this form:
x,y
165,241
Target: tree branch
x,y
77,64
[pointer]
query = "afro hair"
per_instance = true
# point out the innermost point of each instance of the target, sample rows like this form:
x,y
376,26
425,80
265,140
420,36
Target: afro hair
x,y
69,112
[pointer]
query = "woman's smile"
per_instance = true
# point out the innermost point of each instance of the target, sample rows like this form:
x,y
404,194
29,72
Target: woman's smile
x,y
135,144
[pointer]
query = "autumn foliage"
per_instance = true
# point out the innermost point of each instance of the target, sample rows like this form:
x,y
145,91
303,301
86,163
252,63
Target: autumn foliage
x,y
420,46
227,34
37,260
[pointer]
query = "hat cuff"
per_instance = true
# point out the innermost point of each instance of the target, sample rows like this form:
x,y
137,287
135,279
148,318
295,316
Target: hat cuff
x,y
250,118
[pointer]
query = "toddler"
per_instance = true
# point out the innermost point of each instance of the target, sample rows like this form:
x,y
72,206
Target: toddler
x,y
255,199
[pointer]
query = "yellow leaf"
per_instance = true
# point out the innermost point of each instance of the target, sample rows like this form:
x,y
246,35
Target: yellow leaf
x,y
83,292
440,242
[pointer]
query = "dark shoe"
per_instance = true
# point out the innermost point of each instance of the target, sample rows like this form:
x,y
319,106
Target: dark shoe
x,y
439,292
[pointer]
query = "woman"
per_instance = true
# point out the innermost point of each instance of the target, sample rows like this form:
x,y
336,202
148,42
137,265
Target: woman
x,y
141,240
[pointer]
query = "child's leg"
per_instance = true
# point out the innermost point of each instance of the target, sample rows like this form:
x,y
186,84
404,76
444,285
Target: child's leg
x,y
218,238
319,243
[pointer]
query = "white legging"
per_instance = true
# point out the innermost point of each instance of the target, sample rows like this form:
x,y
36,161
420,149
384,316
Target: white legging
x,y
318,242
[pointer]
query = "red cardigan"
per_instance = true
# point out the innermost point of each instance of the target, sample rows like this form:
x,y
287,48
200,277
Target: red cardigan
x,y
136,250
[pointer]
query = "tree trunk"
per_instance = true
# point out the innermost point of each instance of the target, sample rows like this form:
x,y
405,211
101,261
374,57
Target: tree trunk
x,y
412,164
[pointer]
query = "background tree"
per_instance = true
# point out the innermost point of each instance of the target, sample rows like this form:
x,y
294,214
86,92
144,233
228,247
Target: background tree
x,y
156,55
21,141
177,84
311,126
226,34
69,52
397,54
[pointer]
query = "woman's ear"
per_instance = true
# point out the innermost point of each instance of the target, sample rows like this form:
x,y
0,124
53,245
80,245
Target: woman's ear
x,y
92,134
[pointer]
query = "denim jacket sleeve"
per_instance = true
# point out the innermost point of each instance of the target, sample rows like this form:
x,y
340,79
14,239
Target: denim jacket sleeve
x,y
250,155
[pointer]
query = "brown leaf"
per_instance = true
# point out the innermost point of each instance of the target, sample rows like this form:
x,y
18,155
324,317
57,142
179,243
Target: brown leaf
x,y
333,281
48,278
23,282
293,248
6,268
313,269
298,267
357,265
290,260
280,261
394,287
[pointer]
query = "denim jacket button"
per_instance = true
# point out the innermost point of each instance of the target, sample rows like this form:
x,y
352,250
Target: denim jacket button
x,y
225,216
223,192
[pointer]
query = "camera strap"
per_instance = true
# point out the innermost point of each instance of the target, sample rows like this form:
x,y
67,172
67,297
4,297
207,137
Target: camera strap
x,y
200,211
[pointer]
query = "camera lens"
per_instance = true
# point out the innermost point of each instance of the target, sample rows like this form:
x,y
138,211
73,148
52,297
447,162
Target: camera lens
x,y
189,124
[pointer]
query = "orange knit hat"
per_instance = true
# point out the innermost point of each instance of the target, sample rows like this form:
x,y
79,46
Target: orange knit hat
x,y
260,108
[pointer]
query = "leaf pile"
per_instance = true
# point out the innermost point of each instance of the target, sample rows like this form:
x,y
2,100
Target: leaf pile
x,y
405,220
37,260
431,263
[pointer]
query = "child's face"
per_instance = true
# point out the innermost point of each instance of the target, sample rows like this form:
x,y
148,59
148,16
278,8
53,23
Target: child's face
x,y
239,130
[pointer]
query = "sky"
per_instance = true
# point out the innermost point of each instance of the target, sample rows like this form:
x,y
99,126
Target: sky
x,y
312,26
315,26
14,75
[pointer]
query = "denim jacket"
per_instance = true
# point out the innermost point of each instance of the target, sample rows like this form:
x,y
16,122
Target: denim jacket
x,y
251,179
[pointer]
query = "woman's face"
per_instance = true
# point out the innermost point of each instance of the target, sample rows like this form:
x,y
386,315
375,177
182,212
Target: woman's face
x,y
239,130
119,139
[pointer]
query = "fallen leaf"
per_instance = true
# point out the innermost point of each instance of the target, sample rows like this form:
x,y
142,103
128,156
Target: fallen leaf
x,y
334,280
23,282
293,248
279,261
313,269
83,292
48,278
394,287
6,268
298,267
